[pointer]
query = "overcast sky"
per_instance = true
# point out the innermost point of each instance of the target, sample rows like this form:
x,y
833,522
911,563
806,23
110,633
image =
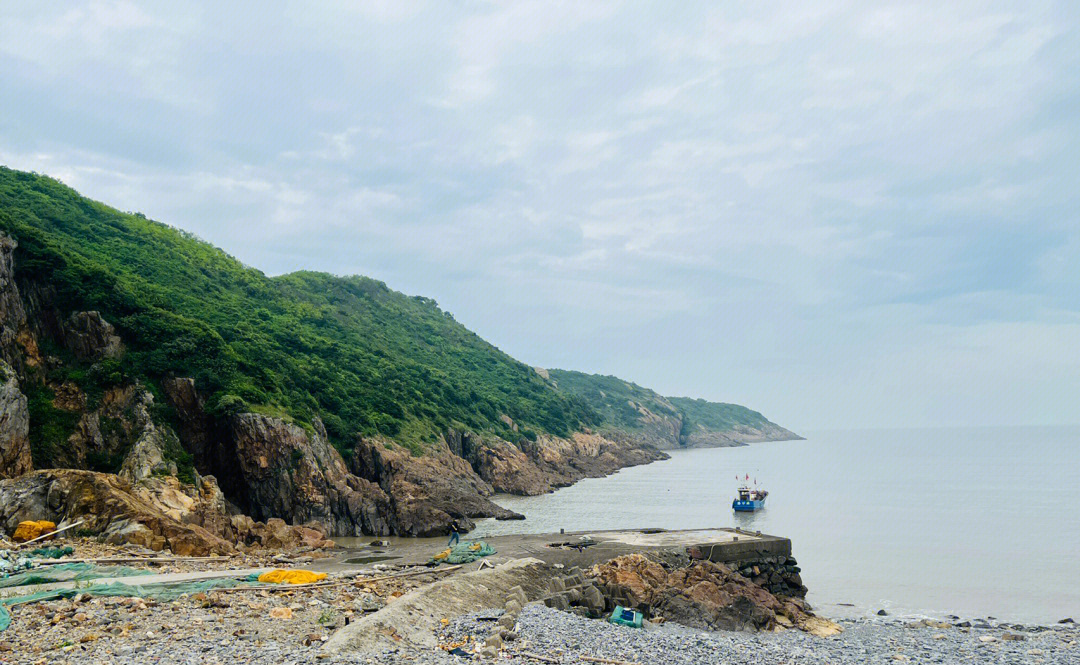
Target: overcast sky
x,y
843,214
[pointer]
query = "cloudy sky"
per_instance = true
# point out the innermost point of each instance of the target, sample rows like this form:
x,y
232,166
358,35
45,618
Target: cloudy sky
x,y
844,214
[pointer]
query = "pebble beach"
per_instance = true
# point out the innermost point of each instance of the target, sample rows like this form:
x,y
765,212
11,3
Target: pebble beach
x,y
240,631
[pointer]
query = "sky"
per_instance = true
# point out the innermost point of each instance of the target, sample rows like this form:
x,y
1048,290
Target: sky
x,y
842,214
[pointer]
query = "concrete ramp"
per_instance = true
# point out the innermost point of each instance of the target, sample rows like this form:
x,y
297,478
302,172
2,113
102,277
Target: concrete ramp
x,y
412,621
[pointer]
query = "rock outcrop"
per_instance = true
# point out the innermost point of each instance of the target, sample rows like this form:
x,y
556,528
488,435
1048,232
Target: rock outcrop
x,y
427,492
537,467
157,513
107,505
704,595
90,337
195,427
14,426
282,470
146,457
12,312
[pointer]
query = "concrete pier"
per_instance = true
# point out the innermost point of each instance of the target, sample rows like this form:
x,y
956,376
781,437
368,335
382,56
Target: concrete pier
x,y
585,548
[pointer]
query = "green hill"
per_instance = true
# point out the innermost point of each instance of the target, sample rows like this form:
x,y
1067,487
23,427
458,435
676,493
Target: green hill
x,y
666,421
618,402
362,357
717,416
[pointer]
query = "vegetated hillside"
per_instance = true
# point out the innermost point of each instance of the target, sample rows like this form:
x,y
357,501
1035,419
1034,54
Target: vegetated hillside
x,y
624,406
666,421
702,418
362,357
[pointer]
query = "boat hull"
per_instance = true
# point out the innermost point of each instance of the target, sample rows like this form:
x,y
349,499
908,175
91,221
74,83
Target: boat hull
x,y
747,506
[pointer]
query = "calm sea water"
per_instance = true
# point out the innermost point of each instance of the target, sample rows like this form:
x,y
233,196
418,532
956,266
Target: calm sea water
x,y
973,522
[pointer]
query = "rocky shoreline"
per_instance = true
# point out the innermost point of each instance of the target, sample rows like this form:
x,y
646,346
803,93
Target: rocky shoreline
x,y
225,628
521,610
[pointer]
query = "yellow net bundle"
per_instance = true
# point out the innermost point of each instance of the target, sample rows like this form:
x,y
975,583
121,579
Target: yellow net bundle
x,y
291,577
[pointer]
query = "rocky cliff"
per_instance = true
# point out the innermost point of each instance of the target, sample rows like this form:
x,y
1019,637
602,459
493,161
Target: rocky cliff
x,y
144,467
136,352
15,457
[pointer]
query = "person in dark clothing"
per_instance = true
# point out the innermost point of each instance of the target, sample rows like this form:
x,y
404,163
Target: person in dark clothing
x,y
454,538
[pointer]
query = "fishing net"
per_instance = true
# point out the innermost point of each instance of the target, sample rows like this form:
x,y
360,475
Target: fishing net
x,y
463,553
67,572
164,591
52,552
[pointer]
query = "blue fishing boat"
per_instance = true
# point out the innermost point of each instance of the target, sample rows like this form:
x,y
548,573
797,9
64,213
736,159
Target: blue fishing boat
x,y
750,498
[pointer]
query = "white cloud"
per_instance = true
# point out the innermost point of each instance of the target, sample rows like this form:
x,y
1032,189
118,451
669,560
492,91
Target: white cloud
x,y
785,201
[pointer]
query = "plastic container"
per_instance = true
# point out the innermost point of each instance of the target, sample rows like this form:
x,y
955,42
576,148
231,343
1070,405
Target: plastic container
x,y
622,616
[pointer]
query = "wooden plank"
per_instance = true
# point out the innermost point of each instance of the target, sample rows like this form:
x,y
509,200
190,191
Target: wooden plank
x,y
536,656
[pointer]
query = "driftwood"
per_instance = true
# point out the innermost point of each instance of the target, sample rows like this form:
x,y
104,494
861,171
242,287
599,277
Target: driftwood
x,y
588,659
536,656
132,559
607,661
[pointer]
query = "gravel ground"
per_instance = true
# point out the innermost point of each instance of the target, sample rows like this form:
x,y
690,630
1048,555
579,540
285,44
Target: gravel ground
x,y
219,626
545,632
231,629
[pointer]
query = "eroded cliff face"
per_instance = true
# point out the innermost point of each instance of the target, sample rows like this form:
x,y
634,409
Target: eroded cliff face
x,y
14,426
537,467
12,313
427,492
285,471
158,513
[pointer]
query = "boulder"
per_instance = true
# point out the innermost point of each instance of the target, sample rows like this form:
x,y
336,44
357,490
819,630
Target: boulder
x,y
127,532
276,534
31,529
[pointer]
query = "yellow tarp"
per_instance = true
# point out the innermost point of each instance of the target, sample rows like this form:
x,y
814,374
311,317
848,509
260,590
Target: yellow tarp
x,y
30,530
291,577
442,555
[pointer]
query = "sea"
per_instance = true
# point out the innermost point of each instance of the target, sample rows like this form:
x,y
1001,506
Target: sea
x,y
977,523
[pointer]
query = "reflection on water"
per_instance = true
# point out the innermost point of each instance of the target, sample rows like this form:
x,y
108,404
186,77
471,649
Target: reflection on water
x,y
917,521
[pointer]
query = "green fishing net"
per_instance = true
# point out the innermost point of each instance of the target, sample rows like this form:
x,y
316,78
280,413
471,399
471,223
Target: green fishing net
x,y
164,591
67,572
463,553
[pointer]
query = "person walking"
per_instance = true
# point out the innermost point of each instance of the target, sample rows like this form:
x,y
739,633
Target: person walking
x,y
454,538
